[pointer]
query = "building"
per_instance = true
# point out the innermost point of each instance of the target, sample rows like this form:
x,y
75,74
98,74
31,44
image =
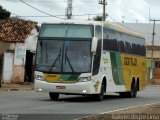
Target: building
x,y
156,59
18,39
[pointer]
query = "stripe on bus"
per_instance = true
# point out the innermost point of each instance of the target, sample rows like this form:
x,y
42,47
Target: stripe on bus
x,y
117,68
64,78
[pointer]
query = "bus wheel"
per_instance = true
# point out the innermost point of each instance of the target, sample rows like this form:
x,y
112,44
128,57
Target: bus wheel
x,y
133,92
54,96
101,95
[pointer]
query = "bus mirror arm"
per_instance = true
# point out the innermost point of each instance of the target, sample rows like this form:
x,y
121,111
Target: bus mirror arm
x,y
94,45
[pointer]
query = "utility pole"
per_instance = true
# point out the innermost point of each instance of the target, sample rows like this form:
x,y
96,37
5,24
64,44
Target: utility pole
x,y
104,3
69,9
153,34
149,14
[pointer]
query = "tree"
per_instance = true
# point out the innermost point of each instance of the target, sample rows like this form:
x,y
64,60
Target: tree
x,y
97,18
4,14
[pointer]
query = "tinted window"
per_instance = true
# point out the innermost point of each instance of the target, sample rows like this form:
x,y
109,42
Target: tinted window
x,y
124,43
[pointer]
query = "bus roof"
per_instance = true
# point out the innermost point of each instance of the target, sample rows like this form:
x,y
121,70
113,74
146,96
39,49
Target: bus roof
x,y
122,29
74,22
108,25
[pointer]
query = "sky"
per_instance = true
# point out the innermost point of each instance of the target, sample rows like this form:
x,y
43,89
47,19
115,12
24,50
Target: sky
x,y
129,11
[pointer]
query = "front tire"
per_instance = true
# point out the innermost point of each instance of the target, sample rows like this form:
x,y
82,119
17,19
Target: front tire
x,y
100,96
53,96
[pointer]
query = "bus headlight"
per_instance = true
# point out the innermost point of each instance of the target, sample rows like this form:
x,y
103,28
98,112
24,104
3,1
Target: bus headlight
x,y
84,79
39,77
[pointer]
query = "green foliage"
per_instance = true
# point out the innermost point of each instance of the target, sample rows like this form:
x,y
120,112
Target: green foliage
x,y
4,14
97,18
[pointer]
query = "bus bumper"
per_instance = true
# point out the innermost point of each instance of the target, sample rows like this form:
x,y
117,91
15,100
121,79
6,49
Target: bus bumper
x,y
66,88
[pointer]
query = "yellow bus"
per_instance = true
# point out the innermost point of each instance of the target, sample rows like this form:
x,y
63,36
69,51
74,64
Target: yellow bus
x,y
89,58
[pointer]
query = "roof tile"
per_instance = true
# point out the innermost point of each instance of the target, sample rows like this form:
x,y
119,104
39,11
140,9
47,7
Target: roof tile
x,y
15,30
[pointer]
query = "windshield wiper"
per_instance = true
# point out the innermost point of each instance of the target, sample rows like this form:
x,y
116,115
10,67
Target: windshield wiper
x,y
58,57
67,59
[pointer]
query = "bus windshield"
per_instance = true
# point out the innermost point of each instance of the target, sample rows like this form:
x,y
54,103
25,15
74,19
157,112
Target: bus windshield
x,y
64,49
63,56
68,31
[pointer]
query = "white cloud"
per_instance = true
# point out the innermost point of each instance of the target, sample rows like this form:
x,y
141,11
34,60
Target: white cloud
x,y
133,10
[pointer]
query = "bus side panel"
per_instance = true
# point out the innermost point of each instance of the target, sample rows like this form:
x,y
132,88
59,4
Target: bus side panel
x,y
134,67
144,73
113,72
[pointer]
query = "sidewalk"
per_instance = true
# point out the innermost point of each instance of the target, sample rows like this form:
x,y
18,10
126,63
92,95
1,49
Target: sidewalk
x,y
17,87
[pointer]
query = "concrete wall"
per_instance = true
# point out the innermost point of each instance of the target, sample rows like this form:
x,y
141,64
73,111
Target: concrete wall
x,y
8,67
19,63
156,54
31,41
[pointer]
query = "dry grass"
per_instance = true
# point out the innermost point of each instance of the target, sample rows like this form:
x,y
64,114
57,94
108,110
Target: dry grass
x,y
150,112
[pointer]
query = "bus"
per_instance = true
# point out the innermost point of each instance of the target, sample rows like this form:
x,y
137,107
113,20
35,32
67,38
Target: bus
x,y
89,58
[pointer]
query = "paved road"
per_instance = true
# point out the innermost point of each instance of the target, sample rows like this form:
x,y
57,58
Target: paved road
x,y
69,107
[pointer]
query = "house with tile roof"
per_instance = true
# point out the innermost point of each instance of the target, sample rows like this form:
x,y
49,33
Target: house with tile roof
x,y
18,39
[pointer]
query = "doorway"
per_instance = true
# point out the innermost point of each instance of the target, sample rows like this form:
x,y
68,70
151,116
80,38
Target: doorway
x,y
1,68
29,67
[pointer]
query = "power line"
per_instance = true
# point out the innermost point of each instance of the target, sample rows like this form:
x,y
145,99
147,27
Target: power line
x,y
55,15
14,14
39,9
38,0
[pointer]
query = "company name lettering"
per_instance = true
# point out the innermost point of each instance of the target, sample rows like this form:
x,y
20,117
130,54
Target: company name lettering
x,y
130,61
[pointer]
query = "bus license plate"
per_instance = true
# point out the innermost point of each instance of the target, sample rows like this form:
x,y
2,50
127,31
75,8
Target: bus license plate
x,y
60,87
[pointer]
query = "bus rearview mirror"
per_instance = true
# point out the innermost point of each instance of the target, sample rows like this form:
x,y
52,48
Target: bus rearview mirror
x,y
94,45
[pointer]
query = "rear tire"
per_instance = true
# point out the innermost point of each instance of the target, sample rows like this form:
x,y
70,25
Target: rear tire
x,y
131,94
53,96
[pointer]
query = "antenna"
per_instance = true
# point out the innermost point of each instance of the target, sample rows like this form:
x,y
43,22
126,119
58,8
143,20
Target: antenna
x,y
69,9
